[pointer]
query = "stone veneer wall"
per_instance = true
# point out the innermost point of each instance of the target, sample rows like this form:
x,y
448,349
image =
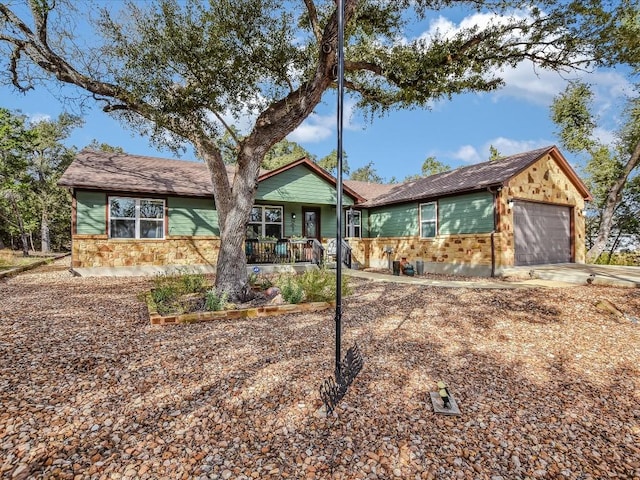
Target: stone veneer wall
x,y
543,182
100,251
462,254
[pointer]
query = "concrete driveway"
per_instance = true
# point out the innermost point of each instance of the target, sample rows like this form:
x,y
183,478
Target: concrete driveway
x,y
612,275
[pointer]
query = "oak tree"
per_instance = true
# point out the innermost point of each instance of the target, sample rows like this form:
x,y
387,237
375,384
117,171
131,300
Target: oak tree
x,y
190,70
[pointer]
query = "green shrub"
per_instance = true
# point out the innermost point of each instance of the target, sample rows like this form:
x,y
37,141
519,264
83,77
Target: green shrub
x,y
193,282
319,285
213,301
165,292
626,259
290,289
168,288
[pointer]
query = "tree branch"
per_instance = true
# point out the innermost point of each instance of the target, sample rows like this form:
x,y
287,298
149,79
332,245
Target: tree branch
x,y
313,19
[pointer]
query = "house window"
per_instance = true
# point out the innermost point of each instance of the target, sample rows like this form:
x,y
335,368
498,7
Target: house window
x,y
354,223
136,218
428,220
265,221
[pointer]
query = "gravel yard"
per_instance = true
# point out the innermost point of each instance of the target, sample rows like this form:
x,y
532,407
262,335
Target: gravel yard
x,y
548,386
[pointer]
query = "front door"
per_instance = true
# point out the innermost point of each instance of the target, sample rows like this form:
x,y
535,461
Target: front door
x,y
311,223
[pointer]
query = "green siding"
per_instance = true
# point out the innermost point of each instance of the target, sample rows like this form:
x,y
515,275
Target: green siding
x,y
472,213
364,218
300,185
91,213
192,216
292,226
328,222
394,221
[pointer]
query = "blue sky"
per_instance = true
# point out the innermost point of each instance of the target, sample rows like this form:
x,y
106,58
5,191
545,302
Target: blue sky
x,y
456,132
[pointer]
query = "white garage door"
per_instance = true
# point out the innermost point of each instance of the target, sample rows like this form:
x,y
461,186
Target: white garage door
x,y
542,233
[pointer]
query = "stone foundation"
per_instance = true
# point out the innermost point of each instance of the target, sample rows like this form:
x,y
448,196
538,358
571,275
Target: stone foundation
x,y
459,254
99,251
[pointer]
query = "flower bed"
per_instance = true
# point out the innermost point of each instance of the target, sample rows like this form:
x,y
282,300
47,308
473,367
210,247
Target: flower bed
x,y
191,298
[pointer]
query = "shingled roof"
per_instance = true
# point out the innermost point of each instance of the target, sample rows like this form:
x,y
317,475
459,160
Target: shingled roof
x,y
368,190
473,177
122,172
139,174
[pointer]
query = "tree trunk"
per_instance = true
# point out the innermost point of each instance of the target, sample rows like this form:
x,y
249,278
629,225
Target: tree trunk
x,y
23,234
233,206
45,246
613,198
231,269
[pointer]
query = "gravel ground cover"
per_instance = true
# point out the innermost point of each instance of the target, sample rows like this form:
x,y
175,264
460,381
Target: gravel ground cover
x,y
547,384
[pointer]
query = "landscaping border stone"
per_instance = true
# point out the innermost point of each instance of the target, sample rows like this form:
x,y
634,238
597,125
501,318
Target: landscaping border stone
x,y
30,266
263,311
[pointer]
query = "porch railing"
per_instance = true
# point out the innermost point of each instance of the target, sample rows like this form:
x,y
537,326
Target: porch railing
x,y
284,251
345,251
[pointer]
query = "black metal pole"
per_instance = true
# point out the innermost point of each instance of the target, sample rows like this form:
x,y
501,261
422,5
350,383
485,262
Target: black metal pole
x,y
338,318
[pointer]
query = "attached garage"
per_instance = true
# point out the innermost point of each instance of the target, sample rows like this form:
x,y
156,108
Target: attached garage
x,y
542,233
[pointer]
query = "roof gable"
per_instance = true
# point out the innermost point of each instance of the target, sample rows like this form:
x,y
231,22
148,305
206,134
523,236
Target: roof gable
x,y
320,172
299,184
474,177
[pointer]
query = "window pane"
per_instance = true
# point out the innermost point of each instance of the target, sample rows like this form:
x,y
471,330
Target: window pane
x,y
428,229
272,214
151,229
123,207
272,230
151,209
428,211
253,231
256,215
122,229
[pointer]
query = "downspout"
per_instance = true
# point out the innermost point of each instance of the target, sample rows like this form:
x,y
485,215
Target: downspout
x,y
495,226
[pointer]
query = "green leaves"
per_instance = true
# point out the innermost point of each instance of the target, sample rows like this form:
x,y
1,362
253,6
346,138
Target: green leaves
x,y
571,112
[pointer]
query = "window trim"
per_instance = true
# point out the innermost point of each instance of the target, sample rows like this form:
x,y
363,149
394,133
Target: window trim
x,y
137,218
356,228
434,220
263,223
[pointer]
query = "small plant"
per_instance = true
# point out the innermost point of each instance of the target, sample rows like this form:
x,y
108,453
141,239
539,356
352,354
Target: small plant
x,y
290,288
169,289
319,285
214,301
193,282
165,292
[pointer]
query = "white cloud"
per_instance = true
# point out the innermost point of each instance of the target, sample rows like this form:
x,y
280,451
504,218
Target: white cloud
x,y
526,81
466,154
38,117
509,146
317,128
506,146
314,129
604,136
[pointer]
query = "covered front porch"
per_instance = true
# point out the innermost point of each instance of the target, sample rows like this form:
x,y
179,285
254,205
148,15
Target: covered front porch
x,y
284,250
